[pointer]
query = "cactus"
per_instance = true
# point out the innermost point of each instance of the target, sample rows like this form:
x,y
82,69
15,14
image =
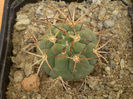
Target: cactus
x,y
68,51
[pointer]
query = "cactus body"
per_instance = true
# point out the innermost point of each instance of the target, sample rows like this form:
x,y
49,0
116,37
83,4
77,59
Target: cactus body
x,y
63,48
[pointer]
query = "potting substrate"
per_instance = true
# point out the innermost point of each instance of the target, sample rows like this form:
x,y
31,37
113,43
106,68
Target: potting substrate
x,y
108,34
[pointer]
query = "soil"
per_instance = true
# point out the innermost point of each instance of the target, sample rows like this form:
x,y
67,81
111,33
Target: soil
x,y
111,79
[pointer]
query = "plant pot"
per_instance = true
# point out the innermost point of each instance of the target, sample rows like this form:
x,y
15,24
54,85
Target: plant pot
x,y
10,9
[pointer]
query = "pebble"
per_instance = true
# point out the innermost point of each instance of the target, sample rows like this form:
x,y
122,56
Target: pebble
x,y
22,22
131,77
98,97
131,97
62,4
93,82
122,63
105,95
96,1
86,20
90,97
102,13
112,83
38,96
24,97
21,16
38,11
130,69
18,76
121,73
130,44
68,96
109,23
49,13
110,97
107,69
89,1
115,12
100,26
82,8
80,97
28,69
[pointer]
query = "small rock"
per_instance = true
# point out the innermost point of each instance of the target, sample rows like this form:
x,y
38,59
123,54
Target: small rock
x,y
102,13
84,97
105,95
99,26
31,83
115,12
119,15
92,82
107,69
110,97
127,72
24,97
28,69
112,83
131,97
21,25
82,8
90,14
38,96
85,19
62,4
99,97
104,38
130,44
21,16
130,69
131,77
80,97
90,97
109,23
18,76
68,96
132,84
38,11
93,23
89,1
122,63
121,73
22,22
96,1
49,13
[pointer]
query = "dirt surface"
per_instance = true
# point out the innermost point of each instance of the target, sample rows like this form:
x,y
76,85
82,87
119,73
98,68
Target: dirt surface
x,y
111,79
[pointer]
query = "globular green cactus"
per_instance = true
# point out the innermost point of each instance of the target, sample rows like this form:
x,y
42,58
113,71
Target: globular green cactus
x,y
68,51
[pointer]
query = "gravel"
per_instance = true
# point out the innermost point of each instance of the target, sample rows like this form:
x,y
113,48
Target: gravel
x,y
18,76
